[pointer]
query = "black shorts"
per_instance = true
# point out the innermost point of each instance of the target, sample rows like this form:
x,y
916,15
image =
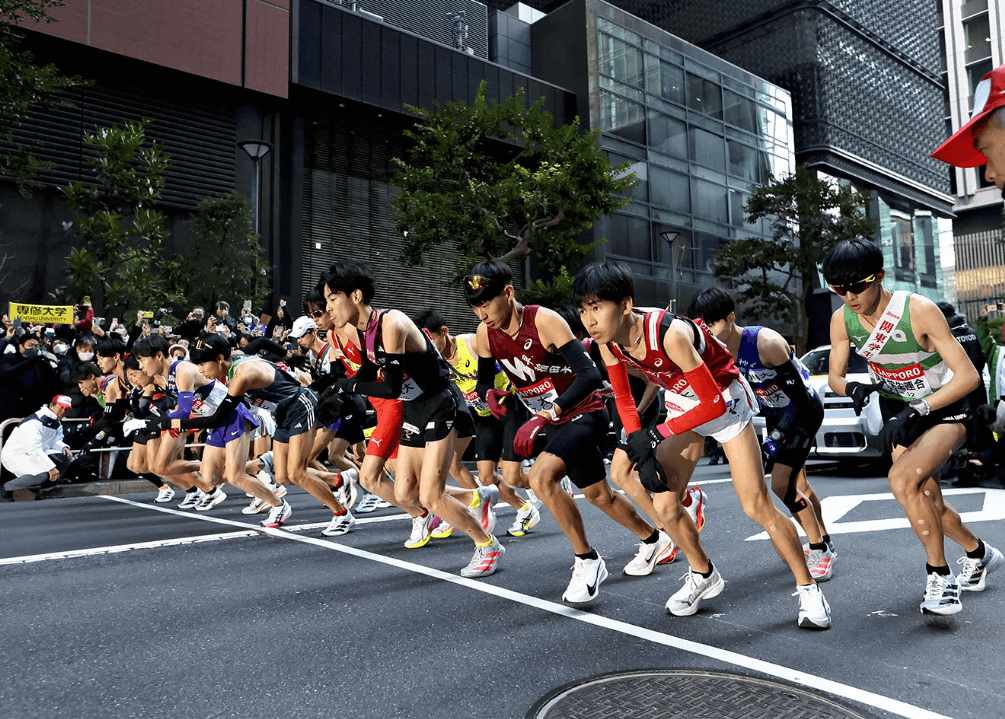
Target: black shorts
x,y
516,417
295,416
144,437
489,438
958,412
578,443
465,424
429,418
798,440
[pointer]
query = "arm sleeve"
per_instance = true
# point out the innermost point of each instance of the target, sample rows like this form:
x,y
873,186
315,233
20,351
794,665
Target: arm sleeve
x,y
217,418
116,411
264,344
797,392
623,399
486,375
588,377
185,402
325,381
394,377
710,403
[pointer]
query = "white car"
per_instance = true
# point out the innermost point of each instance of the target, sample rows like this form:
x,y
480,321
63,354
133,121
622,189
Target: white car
x,y
842,434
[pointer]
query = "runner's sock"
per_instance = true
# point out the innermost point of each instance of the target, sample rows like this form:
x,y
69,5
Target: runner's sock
x,y
707,574
979,552
486,544
652,538
943,570
826,539
476,500
821,547
686,502
592,554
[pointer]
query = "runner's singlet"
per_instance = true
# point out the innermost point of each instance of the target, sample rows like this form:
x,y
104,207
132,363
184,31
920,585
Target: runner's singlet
x,y
465,375
538,376
894,354
762,380
284,387
422,372
349,355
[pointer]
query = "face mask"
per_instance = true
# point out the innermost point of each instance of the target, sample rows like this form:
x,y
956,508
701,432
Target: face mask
x,y
59,349
31,352
85,356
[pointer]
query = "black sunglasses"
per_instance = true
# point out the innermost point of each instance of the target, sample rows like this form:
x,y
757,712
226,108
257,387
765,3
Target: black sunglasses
x,y
856,288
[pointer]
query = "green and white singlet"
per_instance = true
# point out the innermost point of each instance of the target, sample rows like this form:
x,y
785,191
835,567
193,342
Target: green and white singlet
x,y
894,354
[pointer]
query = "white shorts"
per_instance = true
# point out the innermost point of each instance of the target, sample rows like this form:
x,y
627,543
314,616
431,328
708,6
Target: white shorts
x,y
740,404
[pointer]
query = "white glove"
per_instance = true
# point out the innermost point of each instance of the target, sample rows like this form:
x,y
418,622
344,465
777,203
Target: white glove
x,y
133,425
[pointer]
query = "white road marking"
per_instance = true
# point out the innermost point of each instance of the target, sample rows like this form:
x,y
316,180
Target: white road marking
x,y
126,547
894,706
836,507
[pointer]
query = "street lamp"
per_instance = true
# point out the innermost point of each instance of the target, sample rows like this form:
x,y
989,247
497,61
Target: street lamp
x,y
671,238
256,149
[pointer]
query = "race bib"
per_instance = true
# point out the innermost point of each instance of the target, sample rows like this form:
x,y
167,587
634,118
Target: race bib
x,y
907,381
680,399
475,402
539,396
409,389
772,396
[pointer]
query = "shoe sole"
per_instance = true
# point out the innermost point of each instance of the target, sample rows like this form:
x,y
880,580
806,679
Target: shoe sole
x,y
442,535
714,591
949,611
207,507
808,624
603,576
982,583
670,558
419,545
485,573
338,532
522,531
276,525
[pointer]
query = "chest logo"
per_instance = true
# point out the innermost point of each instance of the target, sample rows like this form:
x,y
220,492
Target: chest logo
x,y
658,363
527,344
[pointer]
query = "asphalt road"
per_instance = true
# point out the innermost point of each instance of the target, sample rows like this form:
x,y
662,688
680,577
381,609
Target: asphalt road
x,y
210,618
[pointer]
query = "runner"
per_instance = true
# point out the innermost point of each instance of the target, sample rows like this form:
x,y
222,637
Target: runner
x,y
704,395
923,377
557,382
414,372
792,409
461,354
145,400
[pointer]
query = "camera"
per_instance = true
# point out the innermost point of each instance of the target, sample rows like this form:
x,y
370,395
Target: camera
x,y
49,331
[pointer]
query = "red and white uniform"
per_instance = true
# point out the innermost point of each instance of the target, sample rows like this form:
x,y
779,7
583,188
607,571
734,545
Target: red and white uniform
x,y
538,376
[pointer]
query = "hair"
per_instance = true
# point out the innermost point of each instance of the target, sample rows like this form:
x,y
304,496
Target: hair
x,y
711,305
131,362
430,320
571,316
85,370
87,339
498,276
222,305
109,347
348,276
23,339
314,298
150,346
947,309
611,281
208,348
852,261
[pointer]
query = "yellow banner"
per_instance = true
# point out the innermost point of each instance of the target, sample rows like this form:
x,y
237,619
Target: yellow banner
x,y
42,314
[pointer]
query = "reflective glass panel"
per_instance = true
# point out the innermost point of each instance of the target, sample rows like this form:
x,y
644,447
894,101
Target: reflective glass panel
x,y
669,189
620,60
709,201
704,96
622,117
707,149
667,135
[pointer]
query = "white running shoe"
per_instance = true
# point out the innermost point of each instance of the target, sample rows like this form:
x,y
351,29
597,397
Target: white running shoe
x,y
484,560
383,503
340,524
973,575
567,486
257,505
648,555
440,529
814,611
587,576
165,495
526,519
367,504
420,532
192,498
684,602
533,498
486,515
211,500
348,492
820,562
699,501
277,515
942,595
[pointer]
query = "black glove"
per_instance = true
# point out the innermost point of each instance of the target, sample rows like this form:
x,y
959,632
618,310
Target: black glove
x,y
330,402
642,444
346,384
652,476
159,423
897,430
859,393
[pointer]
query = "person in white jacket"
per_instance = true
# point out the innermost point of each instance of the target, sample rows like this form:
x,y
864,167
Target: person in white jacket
x,y
35,452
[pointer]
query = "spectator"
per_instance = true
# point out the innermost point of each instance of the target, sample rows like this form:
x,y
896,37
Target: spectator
x,y
178,352
223,316
282,319
193,325
35,452
84,316
27,379
67,364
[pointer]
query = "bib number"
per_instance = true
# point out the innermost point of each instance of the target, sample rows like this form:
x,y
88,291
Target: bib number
x,y
909,382
475,402
539,396
409,389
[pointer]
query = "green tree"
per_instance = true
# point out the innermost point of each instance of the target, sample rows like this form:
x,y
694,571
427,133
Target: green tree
x,y
121,258
808,216
24,85
224,232
500,180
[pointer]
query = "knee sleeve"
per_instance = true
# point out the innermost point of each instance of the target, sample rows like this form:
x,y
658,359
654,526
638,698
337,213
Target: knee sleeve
x,y
791,502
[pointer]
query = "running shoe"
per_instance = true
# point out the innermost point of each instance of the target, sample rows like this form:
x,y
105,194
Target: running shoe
x,y
820,562
257,505
526,519
192,498
587,576
367,504
340,524
278,515
669,554
420,531
487,496
268,466
211,500
685,601
975,571
567,486
483,561
347,492
533,498
648,555
942,595
382,503
164,496
814,611
697,508
440,529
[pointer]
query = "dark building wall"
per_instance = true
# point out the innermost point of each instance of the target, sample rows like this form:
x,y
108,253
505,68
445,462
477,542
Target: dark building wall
x,y
430,18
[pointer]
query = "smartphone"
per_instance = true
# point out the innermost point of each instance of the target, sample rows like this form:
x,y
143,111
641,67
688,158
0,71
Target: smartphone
x,y
148,315
247,304
82,310
99,321
17,323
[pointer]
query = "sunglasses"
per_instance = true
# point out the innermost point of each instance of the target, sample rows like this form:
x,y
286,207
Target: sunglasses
x,y
856,288
317,313
476,282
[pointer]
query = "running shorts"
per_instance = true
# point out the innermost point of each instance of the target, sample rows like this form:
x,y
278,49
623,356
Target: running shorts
x,y
235,426
958,412
387,434
578,443
799,440
429,418
295,416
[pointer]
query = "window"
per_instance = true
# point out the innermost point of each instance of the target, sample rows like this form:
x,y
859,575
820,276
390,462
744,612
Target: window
x,y
706,149
975,73
622,117
667,135
902,232
664,79
620,60
704,96
709,201
977,33
669,189
640,169
740,111
743,161
628,236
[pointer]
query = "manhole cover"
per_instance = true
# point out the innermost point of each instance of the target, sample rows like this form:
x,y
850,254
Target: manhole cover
x,y
682,694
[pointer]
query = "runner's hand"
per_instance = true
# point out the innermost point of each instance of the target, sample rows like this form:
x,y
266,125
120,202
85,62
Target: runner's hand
x,y
642,444
859,394
652,475
495,399
523,443
897,431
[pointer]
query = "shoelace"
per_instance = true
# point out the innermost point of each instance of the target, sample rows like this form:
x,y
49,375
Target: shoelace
x,y
970,566
936,586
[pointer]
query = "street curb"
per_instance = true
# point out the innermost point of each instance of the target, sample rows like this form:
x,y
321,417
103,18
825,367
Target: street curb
x,y
92,489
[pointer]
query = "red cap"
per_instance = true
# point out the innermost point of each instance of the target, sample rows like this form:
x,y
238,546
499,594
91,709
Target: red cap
x,y
63,401
959,149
